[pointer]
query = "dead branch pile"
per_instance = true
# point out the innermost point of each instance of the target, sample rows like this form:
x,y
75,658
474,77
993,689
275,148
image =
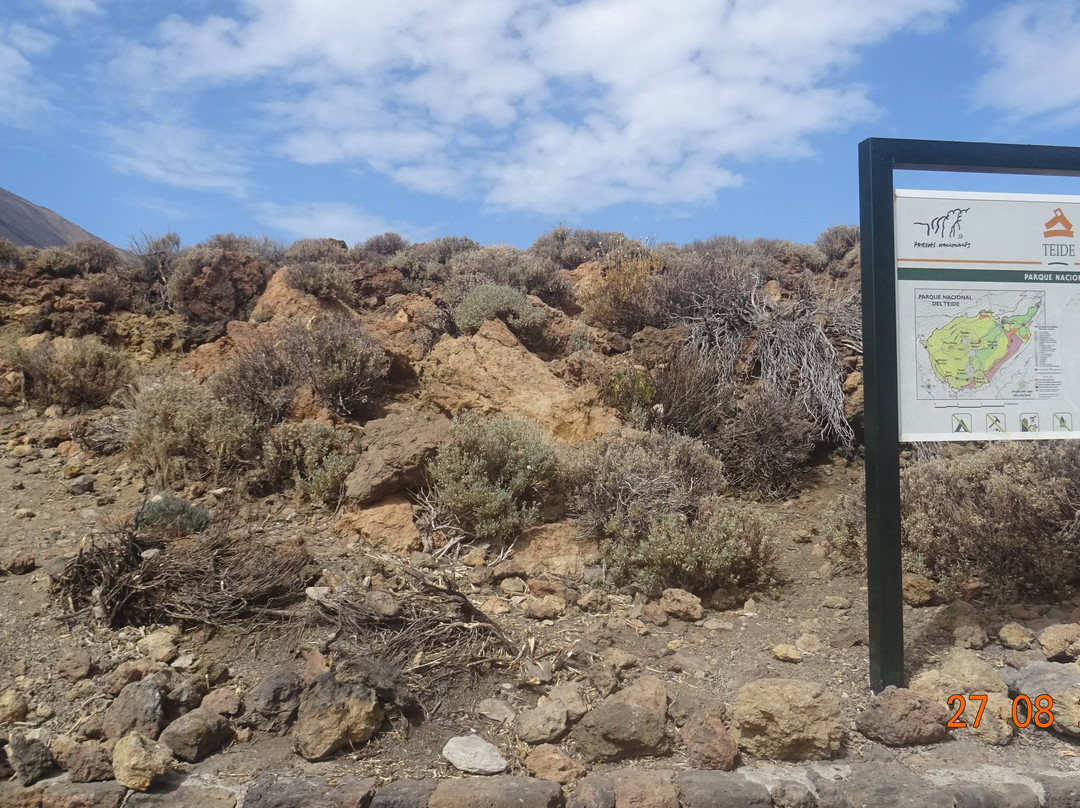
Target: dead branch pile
x,y
125,576
415,620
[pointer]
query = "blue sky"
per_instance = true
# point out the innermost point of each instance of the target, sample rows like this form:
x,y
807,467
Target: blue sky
x,y
671,120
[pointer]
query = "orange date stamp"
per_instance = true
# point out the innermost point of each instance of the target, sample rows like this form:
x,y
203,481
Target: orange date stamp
x,y
1025,710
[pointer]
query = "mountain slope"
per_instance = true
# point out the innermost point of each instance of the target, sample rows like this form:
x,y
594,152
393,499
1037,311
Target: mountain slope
x,y
30,225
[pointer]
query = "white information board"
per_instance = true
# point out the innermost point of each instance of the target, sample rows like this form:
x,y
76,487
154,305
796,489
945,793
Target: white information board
x,y
988,315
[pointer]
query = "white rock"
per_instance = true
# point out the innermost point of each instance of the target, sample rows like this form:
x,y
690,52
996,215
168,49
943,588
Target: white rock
x,y
473,755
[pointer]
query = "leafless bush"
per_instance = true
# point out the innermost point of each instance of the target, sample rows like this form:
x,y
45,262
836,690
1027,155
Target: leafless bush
x,y
571,248
213,578
74,373
269,252
109,290
838,241
379,248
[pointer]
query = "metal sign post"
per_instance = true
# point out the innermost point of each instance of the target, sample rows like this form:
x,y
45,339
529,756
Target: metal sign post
x,y
878,159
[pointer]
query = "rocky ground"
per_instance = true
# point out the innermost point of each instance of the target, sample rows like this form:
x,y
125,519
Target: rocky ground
x,y
415,673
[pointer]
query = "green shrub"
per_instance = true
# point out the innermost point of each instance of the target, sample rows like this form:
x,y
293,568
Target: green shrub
x,y
317,250
493,474
625,482
321,280
727,546
631,392
179,429
74,373
506,266
489,301
313,457
1005,515
170,516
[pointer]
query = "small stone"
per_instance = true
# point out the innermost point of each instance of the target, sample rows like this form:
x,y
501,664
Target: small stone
x,y
1055,640
22,564
159,646
787,653
655,613
712,624
495,605
549,762
787,719
88,795
512,585
13,707
195,735
89,762
836,602
902,717
571,697
708,743
83,484
75,666
918,590
546,722
473,755
810,643
272,703
222,700
848,637
681,605
332,715
24,513
593,601
623,660
183,662
474,558
547,608
29,757
137,760
139,707
496,710
629,723
970,636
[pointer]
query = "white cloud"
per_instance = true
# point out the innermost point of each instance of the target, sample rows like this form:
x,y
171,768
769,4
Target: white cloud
x,y
71,9
326,220
534,105
172,152
21,94
1036,50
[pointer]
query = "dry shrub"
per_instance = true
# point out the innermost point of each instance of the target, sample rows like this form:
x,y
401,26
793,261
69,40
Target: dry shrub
x,y
625,302
179,430
333,356
838,240
321,280
570,249
215,577
315,458
492,476
633,479
378,249
425,263
108,290
530,274
270,253
74,373
340,361
1006,515
727,546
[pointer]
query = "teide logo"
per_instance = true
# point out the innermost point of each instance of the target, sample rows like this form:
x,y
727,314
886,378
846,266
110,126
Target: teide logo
x,y
1058,226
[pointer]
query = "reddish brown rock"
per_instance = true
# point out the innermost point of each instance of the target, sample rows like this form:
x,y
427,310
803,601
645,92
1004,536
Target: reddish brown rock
x,y
497,791
708,743
629,723
387,526
394,451
637,788
549,762
901,717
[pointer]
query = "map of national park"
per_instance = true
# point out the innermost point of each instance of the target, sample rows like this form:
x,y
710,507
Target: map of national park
x,y
977,344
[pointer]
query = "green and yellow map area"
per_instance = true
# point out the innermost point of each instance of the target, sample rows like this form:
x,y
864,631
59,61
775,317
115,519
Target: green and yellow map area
x,y
969,350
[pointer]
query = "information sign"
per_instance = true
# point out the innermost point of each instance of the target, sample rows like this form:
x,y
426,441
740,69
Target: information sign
x,y
987,316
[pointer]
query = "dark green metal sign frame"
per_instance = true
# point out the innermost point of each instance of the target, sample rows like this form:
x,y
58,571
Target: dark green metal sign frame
x,y
878,158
